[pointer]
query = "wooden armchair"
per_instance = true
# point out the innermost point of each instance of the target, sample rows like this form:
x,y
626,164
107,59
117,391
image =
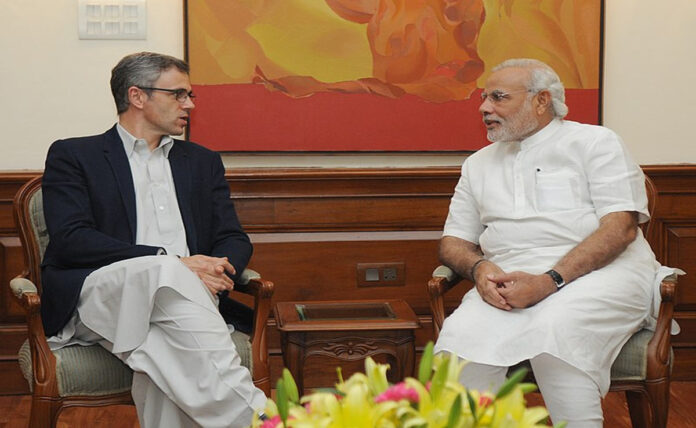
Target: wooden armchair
x,y
643,368
89,375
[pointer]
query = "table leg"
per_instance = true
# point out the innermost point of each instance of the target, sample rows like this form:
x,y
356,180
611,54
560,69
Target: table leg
x,y
293,357
405,354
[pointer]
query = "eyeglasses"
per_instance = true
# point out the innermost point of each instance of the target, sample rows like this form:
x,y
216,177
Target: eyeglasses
x,y
180,94
497,95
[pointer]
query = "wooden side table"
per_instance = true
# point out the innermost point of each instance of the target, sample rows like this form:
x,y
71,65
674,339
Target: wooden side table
x,y
348,331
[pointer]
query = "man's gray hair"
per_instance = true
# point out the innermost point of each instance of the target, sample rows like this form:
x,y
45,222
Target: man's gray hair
x,y
140,69
542,77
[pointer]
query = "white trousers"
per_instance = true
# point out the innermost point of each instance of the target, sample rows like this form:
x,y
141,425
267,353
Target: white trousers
x,y
187,370
569,393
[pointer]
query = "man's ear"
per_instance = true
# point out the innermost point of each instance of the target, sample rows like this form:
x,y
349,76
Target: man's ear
x,y
543,102
136,97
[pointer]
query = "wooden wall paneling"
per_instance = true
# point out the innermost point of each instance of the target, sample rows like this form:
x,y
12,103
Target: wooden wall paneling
x,y
328,270
12,262
681,245
11,338
10,182
674,244
12,326
300,200
346,213
393,204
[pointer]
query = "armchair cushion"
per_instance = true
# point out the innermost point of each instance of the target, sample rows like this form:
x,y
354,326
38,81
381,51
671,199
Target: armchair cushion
x,y
632,362
38,223
100,371
243,344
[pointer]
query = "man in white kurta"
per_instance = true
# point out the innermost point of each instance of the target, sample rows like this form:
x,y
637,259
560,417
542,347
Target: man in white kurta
x,y
544,220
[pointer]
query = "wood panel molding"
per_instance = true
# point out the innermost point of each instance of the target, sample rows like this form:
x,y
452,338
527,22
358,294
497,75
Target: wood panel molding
x,y
347,204
313,200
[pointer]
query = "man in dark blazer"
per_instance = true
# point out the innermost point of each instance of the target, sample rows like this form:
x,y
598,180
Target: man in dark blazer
x,y
143,237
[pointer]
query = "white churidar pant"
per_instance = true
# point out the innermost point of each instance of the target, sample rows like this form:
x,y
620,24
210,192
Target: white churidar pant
x,y
569,393
157,316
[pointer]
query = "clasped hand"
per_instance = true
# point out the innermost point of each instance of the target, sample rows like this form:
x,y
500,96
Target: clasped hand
x,y
511,290
212,271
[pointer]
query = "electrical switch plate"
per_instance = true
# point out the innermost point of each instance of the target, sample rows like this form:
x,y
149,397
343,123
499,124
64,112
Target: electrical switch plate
x,y
112,19
390,274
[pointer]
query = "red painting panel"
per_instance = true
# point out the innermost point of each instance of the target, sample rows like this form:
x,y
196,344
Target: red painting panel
x,y
326,75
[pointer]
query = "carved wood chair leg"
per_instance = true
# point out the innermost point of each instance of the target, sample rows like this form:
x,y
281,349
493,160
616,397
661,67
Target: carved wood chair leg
x,y
639,408
264,385
659,396
44,413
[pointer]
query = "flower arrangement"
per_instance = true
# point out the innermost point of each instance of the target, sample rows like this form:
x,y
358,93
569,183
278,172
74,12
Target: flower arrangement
x,y
436,399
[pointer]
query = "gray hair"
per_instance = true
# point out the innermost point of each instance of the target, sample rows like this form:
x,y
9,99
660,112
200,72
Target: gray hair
x,y
140,69
542,77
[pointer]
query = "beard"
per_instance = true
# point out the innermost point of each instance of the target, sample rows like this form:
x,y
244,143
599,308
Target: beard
x,y
516,127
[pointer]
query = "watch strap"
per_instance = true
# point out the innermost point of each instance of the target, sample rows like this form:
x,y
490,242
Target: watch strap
x,y
557,278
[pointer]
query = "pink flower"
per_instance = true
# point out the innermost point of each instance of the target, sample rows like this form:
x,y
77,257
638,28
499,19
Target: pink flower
x,y
485,401
398,392
272,422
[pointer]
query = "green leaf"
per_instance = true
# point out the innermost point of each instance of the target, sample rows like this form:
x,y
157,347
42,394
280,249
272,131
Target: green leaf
x,y
439,378
527,388
455,412
472,406
509,384
425,369
560,424
339,374
290,386
282,401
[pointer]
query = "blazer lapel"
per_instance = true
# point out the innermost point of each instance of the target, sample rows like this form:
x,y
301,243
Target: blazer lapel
x,y
116,156
181,173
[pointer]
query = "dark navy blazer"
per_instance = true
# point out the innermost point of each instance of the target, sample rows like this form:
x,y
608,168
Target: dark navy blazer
x,y
89,205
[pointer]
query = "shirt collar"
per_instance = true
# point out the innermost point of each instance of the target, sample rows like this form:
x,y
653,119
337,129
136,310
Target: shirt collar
x,y
166,142
542,134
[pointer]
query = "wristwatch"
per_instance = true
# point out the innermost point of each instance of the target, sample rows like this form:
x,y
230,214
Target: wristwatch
x,y
557,278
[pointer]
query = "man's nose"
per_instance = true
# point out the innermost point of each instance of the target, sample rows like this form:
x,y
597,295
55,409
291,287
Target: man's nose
x,y
486,106
188,105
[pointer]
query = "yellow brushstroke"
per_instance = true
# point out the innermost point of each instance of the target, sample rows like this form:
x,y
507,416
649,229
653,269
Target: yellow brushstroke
x,y
562,33
307,38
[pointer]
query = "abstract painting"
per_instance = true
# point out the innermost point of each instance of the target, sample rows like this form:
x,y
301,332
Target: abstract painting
x,y
374,75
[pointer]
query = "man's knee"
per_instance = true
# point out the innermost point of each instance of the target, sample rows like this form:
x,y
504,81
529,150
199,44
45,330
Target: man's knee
x,y
482,377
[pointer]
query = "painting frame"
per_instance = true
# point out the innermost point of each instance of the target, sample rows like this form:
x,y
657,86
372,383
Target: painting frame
x,y
230,137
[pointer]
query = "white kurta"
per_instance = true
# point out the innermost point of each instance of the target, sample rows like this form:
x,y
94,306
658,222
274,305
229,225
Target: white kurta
x,y
527,204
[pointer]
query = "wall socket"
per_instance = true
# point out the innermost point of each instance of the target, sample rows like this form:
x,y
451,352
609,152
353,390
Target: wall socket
x,y
381,274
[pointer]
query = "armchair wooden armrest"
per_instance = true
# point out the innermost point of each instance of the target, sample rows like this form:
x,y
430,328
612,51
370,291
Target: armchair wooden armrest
x,y
659,347
443,280
43,360
251,283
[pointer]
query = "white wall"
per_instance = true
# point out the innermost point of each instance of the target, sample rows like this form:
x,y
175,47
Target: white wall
x,y
649,71
53,85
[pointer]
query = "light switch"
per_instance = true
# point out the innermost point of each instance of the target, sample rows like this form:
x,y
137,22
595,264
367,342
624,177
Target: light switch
x,y
112,19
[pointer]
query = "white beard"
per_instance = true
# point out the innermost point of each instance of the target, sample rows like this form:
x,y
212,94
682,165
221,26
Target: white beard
x,y
516,127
